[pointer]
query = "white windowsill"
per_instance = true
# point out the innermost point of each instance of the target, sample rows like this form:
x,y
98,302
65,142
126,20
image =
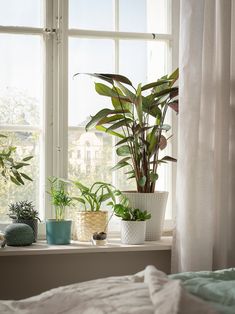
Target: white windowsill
x,y
114,245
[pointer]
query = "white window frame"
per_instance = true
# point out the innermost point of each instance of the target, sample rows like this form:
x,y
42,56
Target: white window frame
x,y
55,113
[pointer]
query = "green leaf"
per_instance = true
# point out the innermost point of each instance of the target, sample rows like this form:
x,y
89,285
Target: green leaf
x,y
107,120
79,199
80,186
142,181
131,96
154,84
127,139
153,177
20,165
108,77
123,150
104,129
168,158
123,123
25,176
122,163
14,180
101,114
174,76
165,92
18,178
104,90
27,158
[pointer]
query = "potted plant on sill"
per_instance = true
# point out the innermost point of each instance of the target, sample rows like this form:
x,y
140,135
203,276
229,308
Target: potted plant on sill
x,y
133,224
58,230
24,212
137,119
92,220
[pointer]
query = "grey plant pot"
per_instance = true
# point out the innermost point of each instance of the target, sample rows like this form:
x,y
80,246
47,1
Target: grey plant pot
x,y
33,223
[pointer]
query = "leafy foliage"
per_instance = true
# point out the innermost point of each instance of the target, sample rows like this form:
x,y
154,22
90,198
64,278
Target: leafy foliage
x,y
9,167
59,196
23,210
99,193
137,119
130,214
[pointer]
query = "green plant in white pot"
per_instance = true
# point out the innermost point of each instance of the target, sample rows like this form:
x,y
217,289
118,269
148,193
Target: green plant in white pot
x,y
92,218
137,120
58,230
133,224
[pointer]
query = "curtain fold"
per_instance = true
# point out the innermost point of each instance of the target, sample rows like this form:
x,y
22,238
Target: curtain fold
x,y
204,236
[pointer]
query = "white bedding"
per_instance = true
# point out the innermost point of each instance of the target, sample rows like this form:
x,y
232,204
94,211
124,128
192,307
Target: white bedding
x,y
149,291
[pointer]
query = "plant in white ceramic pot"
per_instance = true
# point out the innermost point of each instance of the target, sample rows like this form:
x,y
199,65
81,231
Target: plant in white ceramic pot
x,y
137,119
58,230
133,224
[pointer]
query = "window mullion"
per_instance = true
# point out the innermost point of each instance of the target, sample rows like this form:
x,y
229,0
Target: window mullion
x,y
61,135
46,163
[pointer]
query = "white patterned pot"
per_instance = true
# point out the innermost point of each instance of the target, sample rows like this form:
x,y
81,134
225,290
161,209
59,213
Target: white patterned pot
x,y
133,232
155,204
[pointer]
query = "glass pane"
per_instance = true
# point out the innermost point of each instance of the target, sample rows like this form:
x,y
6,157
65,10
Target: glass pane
x,y
83,99
21,79
91,14
90,156
27,144
145,66
21,13
142,16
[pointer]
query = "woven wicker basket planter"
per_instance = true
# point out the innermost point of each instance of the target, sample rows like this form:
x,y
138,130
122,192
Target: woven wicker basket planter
x,y
90,222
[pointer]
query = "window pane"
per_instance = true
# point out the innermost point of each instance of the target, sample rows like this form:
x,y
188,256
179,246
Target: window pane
x,y
147,65
21,13
21,79
27,144
90,156
142,16
83,99
91,14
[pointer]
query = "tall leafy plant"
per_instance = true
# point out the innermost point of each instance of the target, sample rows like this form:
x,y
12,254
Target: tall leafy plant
x,y
137,119
59,196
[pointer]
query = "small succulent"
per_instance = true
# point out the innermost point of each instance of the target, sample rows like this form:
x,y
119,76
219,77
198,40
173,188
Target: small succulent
x,y
99,236
23,210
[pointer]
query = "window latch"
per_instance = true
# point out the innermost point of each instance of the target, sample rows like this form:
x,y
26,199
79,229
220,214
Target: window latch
x,y
50,31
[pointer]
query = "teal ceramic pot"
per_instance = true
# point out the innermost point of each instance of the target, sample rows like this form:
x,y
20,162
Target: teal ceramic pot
x,y
58,231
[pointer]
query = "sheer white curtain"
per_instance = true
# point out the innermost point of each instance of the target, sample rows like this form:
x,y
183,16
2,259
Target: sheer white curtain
x,y
205,220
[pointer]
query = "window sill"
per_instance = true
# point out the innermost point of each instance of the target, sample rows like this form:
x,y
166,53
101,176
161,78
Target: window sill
x,y
114,245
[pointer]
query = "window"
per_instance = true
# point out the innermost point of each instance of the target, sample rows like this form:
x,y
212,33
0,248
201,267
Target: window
x,y
22,93
44,109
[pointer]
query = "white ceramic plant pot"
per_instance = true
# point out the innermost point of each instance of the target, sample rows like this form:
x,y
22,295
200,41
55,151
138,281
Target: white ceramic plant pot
x,y
133,232
155,204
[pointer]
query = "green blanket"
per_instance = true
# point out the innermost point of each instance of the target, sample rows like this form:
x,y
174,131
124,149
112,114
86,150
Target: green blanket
x,y
216,287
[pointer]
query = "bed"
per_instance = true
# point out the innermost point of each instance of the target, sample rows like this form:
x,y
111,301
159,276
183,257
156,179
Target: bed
x,y
150,291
